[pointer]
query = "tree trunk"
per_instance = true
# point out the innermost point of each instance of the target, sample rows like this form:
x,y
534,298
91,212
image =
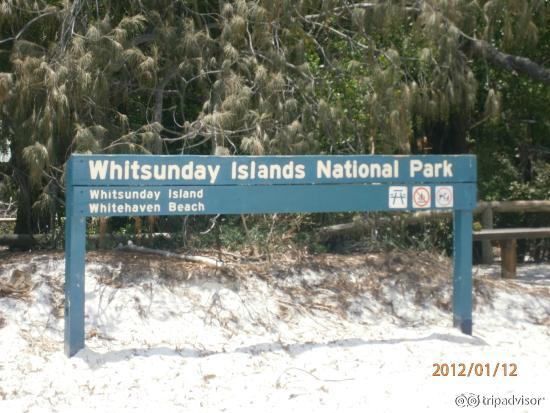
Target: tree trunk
x,y
28,221
23,223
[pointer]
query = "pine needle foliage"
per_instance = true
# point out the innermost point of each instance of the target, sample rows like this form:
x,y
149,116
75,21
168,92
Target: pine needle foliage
x,y
247,77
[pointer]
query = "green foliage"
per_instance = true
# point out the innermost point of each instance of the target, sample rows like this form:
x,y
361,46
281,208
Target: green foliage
x,y
271,77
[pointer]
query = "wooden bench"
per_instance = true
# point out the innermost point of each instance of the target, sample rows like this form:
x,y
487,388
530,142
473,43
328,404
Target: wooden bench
x,y
508,246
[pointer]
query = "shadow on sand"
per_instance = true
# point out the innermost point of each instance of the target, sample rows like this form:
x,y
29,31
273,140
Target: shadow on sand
x,y
96,360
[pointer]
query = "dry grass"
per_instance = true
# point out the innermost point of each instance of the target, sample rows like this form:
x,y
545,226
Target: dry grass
x,y
345,278
18,285
303,283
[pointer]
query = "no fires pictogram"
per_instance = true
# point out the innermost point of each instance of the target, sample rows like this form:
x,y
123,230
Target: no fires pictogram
x,y
421,197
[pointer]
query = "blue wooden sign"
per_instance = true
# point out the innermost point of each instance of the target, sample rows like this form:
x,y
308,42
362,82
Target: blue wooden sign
x,y
129,185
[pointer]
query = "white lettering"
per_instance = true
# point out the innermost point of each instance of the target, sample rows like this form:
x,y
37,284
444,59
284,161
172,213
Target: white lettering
x,y
355,170
213,171
431,170
125,208
415,166
324,169
98,169
447,169
195,207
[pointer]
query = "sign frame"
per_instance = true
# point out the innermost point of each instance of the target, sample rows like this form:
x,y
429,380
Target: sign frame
x,y
236,185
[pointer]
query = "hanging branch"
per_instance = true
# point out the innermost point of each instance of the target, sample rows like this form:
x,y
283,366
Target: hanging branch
x,y
511,63
27,25
481,48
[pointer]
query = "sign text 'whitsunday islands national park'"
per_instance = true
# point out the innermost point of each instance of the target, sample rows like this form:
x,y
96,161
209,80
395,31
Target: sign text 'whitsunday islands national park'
x,y
244,170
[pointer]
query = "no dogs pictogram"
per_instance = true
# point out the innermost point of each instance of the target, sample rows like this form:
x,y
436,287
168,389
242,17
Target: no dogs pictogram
x,y
443,196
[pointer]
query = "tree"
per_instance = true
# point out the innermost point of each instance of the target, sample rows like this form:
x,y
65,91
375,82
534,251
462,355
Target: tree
x,y
146,77
262,77
415,64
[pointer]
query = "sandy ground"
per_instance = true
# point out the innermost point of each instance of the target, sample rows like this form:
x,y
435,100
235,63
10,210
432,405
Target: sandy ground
x,y
328,333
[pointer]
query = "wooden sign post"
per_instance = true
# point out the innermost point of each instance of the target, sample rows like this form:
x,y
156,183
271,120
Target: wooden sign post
x,y
129,185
